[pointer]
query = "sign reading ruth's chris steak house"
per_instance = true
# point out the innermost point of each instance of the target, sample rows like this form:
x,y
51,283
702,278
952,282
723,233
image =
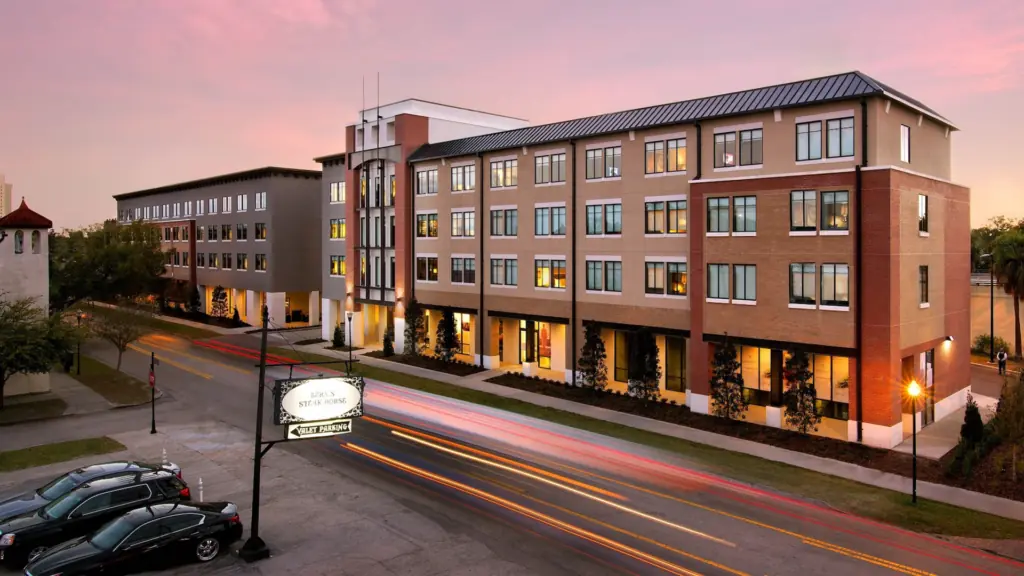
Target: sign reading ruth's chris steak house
x,y
317,399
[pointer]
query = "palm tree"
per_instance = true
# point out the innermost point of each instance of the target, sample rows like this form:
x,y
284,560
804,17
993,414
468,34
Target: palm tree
x,y
1008,257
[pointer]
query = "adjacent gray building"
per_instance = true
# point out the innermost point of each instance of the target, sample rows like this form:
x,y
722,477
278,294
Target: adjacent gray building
x,y
254,233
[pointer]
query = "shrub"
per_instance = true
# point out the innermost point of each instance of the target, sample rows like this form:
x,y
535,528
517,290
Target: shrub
x,y
727,396
982,342
592,368
236,318
801,398
389,347
447,339
415,329
219,302
973,429
338,338
644,369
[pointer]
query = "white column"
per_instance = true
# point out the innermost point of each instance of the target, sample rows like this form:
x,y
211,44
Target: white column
x,y
275,308
314,308
330,319
399,335
354,334
252,308
202,298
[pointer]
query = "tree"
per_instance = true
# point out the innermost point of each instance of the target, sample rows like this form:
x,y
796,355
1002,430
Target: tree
x,y
415,329
236,318
389,346
219,302
30,341
727,396
338,338
973,429
1008,256
801,398
447,339
106,262
592,368
194,303
1008,422
644,370
120,326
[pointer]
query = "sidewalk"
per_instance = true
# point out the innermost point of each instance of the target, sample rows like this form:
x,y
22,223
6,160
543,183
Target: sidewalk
x,y
183,322
938,492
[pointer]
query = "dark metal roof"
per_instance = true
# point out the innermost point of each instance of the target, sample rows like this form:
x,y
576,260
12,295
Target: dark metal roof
x,y
837,87
331,158
257,173
25,217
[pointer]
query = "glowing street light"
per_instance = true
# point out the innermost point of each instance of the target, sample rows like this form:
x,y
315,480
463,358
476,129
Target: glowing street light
x,y
914,390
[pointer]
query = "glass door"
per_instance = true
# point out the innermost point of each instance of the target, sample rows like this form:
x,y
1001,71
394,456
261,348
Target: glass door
x,y
541,343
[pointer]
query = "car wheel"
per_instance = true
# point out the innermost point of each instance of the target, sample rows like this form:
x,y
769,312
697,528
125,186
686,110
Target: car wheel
x,y
207,549
35,553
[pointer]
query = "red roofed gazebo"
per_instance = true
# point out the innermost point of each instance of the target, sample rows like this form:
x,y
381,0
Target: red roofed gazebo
x,y
25,217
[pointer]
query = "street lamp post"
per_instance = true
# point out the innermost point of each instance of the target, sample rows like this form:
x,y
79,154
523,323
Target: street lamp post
x,y
914,390
348,324
78,369
991,307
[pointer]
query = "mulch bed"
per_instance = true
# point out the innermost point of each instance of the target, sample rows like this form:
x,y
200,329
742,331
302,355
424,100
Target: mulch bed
x,y
453,368
986,477
202,318
310,341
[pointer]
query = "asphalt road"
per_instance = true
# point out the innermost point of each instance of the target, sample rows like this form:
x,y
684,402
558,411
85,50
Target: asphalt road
x,y
580,503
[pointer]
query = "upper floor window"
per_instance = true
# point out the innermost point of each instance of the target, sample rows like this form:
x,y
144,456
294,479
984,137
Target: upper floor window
x,y
227,204
801,283
463,224
177,209
718,215
225,231
337,192
167,211
505,222
835,210
922,213
835,285
725,150
604,163
213,205
19,242
394,189
840,138
604,219
200,233
463,178
261,263
665,217
200,207
241,229
751,147
504,272
261,231
146,212
211,232
718,281
337,266
665,156
426,225
241,261
549,221
188,209
744,286
426,182
808,141
549,168
923,273
261,201
549,273
744,214
200,259
337,228
463,271
504,173
426,268
242,202
904,143
803,211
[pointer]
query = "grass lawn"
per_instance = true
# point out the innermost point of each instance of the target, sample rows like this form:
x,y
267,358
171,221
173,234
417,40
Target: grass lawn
x,y
59,452
15,412
158,324
116,387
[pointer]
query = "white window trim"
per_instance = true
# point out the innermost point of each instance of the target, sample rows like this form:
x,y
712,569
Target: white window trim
x,y
549,204
790,174
504,286
834,308
470,256
608,144
744,234
603,201
499,237
670,136
826,160
738,127
666,235
602,292
669,198
611,179
825,116
803,232
427,212
549,237
923,234
549,184
833,232
924,305
598,258
549,152
462,209
426,255
665,174
502,158
738,168
666,296
793,306
745,302
505,207
672,259
419,169
711,234
549,257
491,188
504,256
462,163
717,300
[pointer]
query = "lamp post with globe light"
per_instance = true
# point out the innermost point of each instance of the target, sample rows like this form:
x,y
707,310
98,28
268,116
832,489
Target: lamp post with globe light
x,y
914,390
348,322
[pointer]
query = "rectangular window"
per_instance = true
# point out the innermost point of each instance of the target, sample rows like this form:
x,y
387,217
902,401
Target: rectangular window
x,y
595,275
214,260
675,364
558,221
261,262
595,164
188,209
542,221
923,273
801,283
604,163
654,279
213,205
391,232
463,271
226,262
654,157
242,232
464,178
261,231
840,138
184,232
922,213
542,170
718,215
744,214
835,285
226,201
497,272
261,200
177,209
463,224
718,281
835,210
613,276
337,265
225,232
751,147
808,141
904,143
558,273
549,273
505,222
174,233
621,356
338,228
675,155
201,259
211,232
200,233
242,202
426,226
654,217
725,150
241,261
558,167
744,282
426,268
337,192
176,258
426,182
595,219
676,216
200,207
504,173
677,279
803,211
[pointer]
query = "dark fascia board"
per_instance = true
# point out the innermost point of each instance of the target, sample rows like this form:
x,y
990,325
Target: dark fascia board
x,y
633,327
530,317
255,174
781,345
332,158
439,308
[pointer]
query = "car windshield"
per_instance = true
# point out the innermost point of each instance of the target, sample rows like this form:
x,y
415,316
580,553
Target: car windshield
x,y
111,533
61,506
58,487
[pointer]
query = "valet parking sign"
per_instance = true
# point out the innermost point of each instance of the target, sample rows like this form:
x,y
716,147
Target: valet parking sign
x,y
317,407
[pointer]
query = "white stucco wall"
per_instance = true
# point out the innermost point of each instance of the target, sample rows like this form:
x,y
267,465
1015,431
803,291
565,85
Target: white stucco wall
x,y
25,275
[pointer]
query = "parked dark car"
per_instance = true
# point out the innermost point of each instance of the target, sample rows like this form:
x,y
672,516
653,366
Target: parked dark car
x,y
14,504
149,538
83,510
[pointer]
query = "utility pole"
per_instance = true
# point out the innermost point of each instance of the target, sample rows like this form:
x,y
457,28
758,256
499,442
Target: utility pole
x,y
255,548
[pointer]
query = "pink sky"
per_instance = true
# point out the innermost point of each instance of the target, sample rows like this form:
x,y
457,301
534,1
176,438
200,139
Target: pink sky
x,y
108,96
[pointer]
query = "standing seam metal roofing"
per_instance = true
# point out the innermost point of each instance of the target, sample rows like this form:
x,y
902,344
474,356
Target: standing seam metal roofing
x,y
829,88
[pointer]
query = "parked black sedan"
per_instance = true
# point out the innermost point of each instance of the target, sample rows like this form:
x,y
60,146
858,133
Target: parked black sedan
x,y
83,510
14,504
144,539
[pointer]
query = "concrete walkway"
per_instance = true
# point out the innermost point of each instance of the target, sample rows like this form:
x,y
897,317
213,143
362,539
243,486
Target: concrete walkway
x,y
80,398
938,492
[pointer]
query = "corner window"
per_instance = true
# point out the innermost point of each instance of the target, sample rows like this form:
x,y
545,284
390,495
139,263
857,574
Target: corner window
x,y
904,143
464,178
835,210
744,214
840,138
751,147
725,150
922,213
504,173
604,163
426,182
808,141
803,211
744,282
923,273
463,224
718,215
718,281
835,285
426,225
801,283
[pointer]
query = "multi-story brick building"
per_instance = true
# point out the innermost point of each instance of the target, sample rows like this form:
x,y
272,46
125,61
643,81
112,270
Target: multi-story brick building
x,y
253,233
365,232
817,216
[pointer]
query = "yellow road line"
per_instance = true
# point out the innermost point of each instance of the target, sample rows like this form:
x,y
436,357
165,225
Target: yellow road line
x,y
148,342
170,362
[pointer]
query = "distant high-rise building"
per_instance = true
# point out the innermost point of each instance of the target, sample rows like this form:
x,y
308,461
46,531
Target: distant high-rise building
x,y
5,196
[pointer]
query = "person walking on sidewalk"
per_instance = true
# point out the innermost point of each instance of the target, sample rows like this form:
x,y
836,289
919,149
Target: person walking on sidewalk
x,y
1001,359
